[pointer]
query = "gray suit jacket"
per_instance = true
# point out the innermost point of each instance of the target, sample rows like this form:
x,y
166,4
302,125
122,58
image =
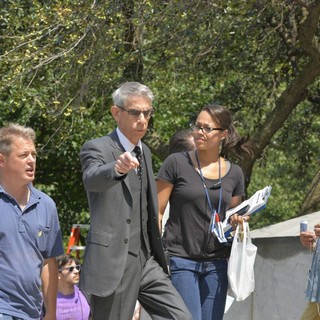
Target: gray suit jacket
x,y
110,206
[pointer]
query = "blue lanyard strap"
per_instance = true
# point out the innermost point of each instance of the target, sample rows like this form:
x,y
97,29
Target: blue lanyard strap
x,y
213,212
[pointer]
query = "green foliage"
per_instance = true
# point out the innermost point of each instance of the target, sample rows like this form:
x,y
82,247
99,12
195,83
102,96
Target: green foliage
x,y
289,165
60,61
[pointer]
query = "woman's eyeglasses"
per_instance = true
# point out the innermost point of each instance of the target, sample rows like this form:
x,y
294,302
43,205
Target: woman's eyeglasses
x,y
70,269
196,128
136,113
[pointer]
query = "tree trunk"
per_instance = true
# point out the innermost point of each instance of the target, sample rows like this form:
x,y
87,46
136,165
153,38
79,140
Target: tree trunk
x,y
134,70
311,202
294,93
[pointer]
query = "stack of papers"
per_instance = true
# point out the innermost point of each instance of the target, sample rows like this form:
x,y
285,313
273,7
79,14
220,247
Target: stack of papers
x,y
256,203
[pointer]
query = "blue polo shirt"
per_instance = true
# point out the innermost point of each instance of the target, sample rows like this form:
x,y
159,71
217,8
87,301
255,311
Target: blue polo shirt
x,y
26,238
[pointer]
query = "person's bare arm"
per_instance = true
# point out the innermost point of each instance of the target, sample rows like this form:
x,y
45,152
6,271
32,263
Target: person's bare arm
x,y
49,277
164,190
308,238
235,201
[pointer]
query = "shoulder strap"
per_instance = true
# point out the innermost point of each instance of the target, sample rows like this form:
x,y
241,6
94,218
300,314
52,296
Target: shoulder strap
x,y
86,295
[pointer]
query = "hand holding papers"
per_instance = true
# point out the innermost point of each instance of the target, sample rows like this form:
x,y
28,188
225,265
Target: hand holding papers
x,y
257,202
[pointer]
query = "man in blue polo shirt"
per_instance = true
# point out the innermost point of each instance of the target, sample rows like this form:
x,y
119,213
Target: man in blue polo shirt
x,y
30,237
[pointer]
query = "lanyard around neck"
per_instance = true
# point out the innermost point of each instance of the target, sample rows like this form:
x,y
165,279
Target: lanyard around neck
x,y
213,212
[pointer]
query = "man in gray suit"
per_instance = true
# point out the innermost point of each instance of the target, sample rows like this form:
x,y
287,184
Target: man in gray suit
x,y
124,258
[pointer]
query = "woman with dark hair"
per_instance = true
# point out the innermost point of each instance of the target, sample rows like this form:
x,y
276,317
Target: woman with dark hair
x,y
201,185
181,141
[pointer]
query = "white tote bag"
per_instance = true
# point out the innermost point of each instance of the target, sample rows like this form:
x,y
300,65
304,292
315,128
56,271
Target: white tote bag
x,y
241,263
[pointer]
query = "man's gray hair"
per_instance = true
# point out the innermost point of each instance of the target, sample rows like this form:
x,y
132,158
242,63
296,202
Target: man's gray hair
x,y
13,130
129,89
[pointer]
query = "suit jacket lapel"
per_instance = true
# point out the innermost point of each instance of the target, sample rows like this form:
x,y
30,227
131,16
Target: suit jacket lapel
x,y
115,142
119,150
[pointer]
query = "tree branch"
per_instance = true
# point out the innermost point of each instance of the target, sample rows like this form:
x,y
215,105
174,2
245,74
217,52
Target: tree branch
x,y
295,93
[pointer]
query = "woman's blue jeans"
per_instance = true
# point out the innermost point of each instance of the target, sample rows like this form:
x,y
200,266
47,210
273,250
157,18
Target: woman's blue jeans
x,y
202,285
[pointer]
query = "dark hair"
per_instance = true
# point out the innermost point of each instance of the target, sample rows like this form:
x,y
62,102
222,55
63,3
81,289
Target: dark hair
x,y
233,143
181,141
65,259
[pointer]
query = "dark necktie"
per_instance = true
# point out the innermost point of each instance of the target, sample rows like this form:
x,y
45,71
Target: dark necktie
x,y
138,155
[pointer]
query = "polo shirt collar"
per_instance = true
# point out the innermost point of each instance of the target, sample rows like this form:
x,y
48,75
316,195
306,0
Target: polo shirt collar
x,y
35,195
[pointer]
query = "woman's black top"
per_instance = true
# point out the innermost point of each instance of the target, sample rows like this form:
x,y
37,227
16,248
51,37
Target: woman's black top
x,y
187,232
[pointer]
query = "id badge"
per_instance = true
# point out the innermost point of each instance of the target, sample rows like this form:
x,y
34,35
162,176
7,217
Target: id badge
x,y
217,228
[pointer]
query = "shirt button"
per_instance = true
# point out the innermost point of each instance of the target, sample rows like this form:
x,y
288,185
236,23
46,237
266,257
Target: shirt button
x,y
126,241
128,221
